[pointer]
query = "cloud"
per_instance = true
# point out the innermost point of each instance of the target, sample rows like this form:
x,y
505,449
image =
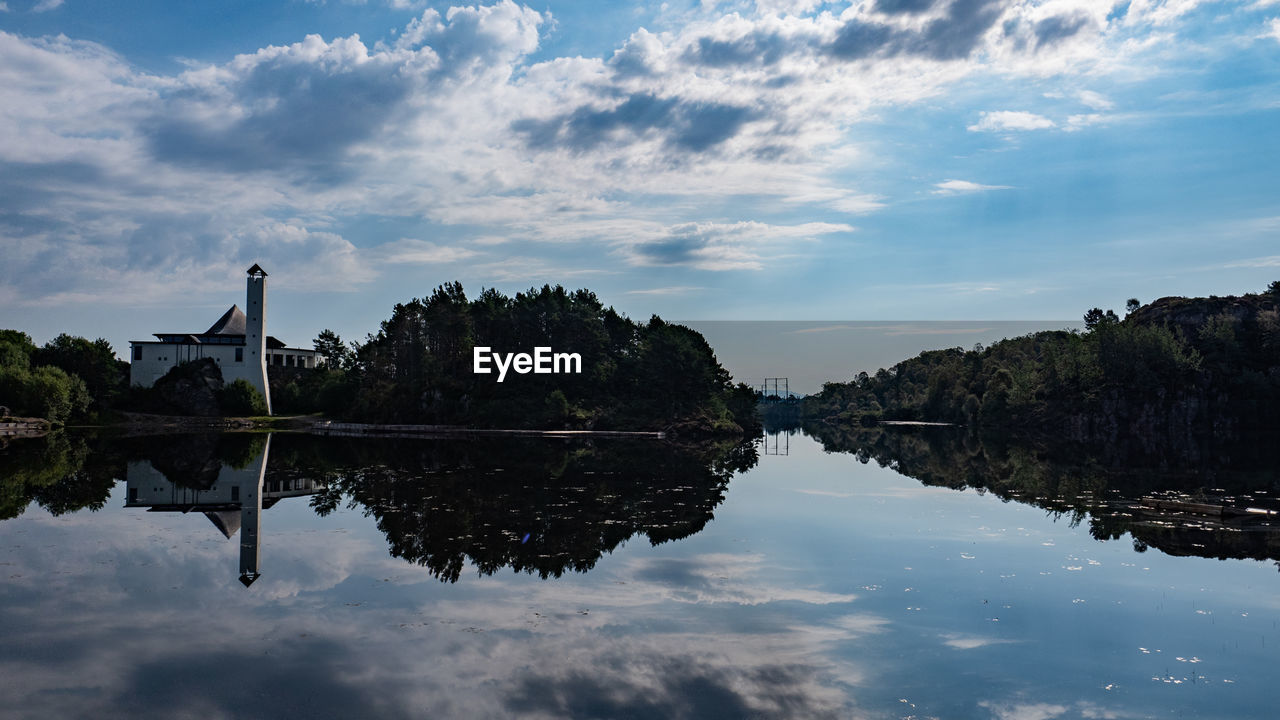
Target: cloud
x,y
111,174
956,187
670,290
1258,262
1006,120
1056,28
1273,31
684,125
1095,100
46,6
1077,122
722,246
953,35
408,251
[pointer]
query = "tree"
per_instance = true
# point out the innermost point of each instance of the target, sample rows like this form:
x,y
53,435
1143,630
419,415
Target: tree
x,y
1132,305
240,398
1096,317
94,362
330,346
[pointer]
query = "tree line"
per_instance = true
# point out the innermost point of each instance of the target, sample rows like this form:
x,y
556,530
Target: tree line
x,y
68,379
418,368
1178,366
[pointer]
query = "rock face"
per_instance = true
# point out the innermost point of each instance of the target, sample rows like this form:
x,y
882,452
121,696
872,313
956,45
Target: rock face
x,y
192,388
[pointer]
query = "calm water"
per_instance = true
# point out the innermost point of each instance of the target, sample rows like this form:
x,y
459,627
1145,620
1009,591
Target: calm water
x,y
418,578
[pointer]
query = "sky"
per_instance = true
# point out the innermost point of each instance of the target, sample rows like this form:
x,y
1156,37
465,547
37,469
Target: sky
x,y
767,160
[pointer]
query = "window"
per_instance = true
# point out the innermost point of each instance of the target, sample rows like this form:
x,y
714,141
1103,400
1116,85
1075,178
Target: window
x,y
235,493
239,354
137,353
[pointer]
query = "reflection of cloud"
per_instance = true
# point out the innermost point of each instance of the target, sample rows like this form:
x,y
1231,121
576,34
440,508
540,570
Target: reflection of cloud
x,y
1025,711
1046,711
158,627
970,642
827,493
719,578
957,187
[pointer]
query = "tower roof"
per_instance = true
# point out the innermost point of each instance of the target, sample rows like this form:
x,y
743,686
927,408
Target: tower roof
x,y
257,270
232,322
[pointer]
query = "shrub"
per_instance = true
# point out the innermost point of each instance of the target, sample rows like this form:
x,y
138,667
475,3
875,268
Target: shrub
x,y
240,398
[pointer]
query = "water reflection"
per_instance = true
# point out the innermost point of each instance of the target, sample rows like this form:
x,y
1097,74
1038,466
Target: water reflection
x,y
1223,506
538,506
823,587
191,477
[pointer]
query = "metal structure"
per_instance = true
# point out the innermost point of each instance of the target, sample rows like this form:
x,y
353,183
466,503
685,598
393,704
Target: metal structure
x,y
781,389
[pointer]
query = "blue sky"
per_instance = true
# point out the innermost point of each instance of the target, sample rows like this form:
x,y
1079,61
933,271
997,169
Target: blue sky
x,y
782,160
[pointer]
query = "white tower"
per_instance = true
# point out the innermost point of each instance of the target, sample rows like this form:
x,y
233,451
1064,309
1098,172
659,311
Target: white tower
x,y
255,332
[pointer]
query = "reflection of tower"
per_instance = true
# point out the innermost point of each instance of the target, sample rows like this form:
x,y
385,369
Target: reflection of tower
x,y
255,331
251,519
232,498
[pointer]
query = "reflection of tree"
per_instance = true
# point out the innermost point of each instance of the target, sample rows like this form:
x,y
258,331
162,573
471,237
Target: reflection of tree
x,y
55,472
194,460
537,506
1068,480
64,472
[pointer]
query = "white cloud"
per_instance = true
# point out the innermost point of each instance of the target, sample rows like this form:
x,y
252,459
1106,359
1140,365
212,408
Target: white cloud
x,y
956,187
670,290
418,252
118,175
1258,262
46,6
1097,101
1025,711
745,245
1077,122
1274,30
1006,120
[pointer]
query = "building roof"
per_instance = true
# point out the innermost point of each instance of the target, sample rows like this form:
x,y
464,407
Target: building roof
x,y
257,270
227,521
232,322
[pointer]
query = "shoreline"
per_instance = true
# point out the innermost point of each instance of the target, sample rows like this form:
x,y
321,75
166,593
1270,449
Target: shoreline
x,y
149,424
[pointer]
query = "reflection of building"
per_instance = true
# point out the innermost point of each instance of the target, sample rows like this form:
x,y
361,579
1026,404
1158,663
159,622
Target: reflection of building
x,y
237,342
233,502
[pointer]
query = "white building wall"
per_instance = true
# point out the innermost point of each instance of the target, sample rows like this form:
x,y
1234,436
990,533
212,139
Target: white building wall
x,y
157,359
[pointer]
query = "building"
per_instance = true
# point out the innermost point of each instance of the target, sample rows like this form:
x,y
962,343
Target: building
x,y
237,342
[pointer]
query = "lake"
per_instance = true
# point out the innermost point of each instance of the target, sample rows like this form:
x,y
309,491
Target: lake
x,y
864,574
